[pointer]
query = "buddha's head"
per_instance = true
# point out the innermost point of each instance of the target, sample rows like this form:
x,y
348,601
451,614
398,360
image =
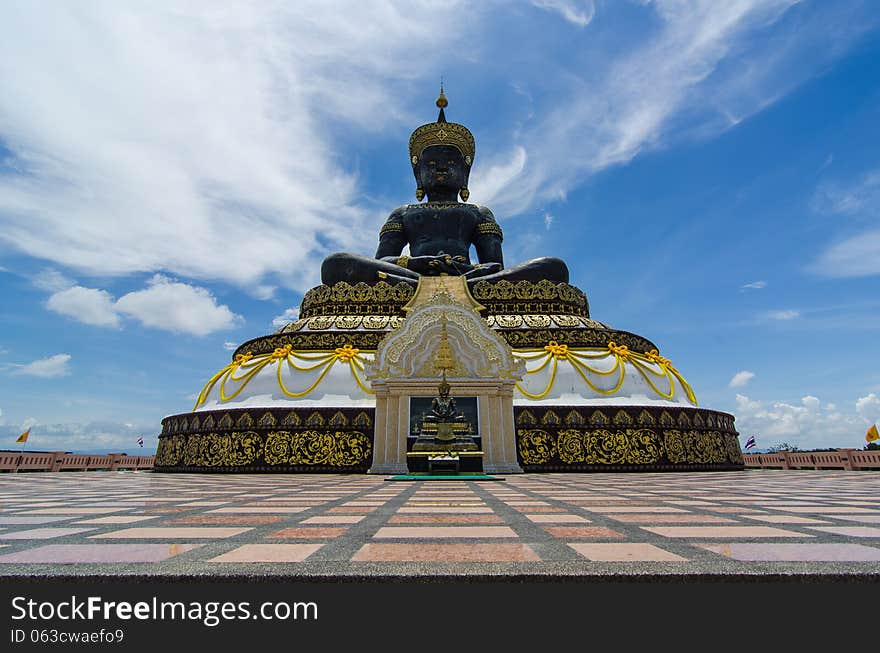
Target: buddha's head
x,y
441,171
444,389
441,154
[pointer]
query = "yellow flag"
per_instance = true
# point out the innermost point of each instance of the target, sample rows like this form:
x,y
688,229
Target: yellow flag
x,y
24,436
872,434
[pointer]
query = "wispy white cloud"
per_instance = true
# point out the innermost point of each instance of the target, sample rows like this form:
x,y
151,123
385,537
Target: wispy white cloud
x,y
784,315
86,305
740,379
52,280
289,315
164,304
707,66
264,292
229,346
178,307
808,425
850,198
857,256
859,203
197,139
575,12
548,220
47,368
754,285
869,408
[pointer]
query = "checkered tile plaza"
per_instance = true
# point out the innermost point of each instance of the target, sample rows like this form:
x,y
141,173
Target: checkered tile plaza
x,y
753,522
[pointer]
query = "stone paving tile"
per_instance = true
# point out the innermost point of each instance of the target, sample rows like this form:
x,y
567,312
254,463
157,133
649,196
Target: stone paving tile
x,y
350,510
578,532
253,520
662,518
452,510
175,532
428,532
268,553
722,531
753,552
624,509
558,519
785,519
538,509
17,521
444,519
455,506
865,519
624,552
42,533
72,511
851,531
271,501
115,519
167,511
333,519
259,510
280,505
830,510
435,552
308,532
98,553
737,509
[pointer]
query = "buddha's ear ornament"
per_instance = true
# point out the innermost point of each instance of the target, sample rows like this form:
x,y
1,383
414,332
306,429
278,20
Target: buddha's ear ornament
x,y
420,194
465,193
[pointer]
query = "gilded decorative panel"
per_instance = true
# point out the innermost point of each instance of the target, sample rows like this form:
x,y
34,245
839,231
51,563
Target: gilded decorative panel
x,y
630,441
339,440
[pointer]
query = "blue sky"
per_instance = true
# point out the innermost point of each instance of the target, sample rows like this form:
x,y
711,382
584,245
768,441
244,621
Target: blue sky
x,y
171,177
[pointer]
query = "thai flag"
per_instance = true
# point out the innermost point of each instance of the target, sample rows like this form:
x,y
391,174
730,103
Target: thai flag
x,y
140,441
750,442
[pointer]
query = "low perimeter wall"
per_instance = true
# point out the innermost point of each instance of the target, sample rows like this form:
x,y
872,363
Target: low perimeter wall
x,y
59,461
848,459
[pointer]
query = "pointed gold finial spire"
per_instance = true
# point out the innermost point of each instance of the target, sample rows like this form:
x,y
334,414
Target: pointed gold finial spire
x,y
443,358
442,102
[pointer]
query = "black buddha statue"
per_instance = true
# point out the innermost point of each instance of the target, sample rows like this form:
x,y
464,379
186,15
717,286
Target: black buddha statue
x,y
441,231
443,408
444,427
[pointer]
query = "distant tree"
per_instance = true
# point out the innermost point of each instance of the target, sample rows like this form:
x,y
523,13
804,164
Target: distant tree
x,y
785,446
872,446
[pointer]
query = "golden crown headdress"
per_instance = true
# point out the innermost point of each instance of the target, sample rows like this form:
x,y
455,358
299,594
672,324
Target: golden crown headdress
x,y
442,133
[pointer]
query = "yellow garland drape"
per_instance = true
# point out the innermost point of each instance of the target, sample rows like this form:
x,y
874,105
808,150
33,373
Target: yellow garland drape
x,y
249,365
644,363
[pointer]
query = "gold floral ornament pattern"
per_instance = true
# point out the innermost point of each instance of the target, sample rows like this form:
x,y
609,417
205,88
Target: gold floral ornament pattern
x,y
650,365
536,447
627,447
245,367
241,449
317,448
